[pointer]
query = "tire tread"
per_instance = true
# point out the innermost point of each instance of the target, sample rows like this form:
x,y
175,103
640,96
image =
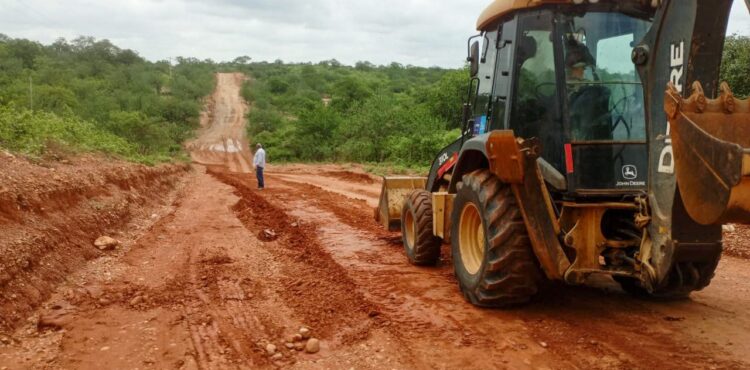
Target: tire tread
x,y
511,274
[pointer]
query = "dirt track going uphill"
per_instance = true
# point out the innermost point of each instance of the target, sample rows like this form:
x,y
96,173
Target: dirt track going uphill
x,y
225,270
222,139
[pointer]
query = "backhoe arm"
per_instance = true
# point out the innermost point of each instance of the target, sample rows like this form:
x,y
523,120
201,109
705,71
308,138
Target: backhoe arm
x,y
684,46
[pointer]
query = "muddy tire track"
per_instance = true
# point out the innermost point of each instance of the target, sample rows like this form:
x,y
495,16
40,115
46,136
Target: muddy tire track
x,y
314,286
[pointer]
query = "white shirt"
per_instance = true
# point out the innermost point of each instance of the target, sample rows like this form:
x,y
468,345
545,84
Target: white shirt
x,y
260,158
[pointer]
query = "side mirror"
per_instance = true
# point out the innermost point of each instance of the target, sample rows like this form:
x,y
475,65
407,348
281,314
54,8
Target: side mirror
x,y
474,59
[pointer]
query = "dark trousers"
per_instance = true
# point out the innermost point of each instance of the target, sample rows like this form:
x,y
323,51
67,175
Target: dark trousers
x,y
259,175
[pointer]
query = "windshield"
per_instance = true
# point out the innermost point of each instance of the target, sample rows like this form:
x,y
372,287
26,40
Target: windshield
x,y
604,91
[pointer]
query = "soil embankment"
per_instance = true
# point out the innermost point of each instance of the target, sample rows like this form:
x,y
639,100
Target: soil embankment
x,y
51,214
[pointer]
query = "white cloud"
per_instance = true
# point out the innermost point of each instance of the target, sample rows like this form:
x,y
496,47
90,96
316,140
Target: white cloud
x,y
739,21
419,32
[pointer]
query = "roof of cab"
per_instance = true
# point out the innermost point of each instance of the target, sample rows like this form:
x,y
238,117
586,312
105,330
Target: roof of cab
x,y
499,8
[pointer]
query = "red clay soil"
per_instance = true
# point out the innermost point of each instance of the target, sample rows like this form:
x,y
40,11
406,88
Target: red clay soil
x,y
352,176
737,241
51,213
221,139
310,273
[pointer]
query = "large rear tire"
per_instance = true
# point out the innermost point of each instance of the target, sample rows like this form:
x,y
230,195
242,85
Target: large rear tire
x,y
492,255
421,245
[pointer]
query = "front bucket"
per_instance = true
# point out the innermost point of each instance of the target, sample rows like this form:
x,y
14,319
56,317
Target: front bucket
x,y
395,190
711,144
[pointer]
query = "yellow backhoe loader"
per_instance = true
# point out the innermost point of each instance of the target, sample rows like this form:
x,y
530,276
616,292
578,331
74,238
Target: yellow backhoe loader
x,y
597,140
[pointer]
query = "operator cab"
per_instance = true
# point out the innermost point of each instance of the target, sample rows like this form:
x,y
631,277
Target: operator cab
x,y
563,74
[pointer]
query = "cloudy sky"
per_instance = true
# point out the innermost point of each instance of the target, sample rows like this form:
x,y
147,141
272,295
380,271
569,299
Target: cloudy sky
x,y
418,32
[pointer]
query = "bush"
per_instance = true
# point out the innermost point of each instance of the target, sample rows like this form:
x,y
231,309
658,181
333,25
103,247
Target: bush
x,y
34,132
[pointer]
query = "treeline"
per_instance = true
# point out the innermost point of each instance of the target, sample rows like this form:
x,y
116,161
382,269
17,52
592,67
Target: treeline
x,y
364,113
88,94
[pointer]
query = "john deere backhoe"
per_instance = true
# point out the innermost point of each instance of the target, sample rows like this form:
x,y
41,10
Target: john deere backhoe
x,y
592,145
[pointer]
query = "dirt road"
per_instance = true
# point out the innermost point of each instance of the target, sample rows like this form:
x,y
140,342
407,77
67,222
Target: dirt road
x,y
229,269
222,139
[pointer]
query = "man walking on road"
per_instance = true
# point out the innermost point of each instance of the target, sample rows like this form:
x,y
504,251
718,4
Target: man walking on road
x,y
259,163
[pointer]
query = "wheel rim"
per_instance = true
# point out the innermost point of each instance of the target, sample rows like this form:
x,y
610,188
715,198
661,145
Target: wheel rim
x,y
471,238
410,229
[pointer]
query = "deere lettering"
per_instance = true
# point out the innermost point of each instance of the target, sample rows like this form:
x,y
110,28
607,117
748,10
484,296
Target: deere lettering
x,y
677,63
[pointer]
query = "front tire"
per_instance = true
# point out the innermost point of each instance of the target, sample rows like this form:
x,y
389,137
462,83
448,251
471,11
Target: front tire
x,y
421,245
492,255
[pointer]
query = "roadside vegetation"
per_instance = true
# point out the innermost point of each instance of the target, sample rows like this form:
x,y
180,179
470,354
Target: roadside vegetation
x,y
90,95
397,115
735,67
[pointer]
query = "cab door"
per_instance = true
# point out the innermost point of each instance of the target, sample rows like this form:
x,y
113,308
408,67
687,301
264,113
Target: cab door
x,y
535,109
481,114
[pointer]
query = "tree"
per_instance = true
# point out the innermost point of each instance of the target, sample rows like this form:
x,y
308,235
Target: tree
x,y
348,92
242,60
736,64
447,95
315,130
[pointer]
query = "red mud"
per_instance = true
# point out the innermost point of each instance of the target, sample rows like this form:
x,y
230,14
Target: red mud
x,y
352,176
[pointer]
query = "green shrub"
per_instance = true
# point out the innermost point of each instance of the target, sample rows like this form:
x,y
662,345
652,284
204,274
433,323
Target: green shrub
x,y
34,132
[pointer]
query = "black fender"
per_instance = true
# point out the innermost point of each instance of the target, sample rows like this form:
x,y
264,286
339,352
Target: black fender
x,y
473,156
443,163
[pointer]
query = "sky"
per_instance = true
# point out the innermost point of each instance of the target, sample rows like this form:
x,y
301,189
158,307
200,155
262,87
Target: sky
x,y
418,32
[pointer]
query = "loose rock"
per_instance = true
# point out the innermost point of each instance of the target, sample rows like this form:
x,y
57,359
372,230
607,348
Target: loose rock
x,y
312,346
270,349
136,300
277,356
106,243
297,338
299,346
304,332
289,345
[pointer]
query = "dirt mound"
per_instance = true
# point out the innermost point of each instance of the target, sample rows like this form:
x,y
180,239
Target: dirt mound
x,y
317,288
51,213
352,176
